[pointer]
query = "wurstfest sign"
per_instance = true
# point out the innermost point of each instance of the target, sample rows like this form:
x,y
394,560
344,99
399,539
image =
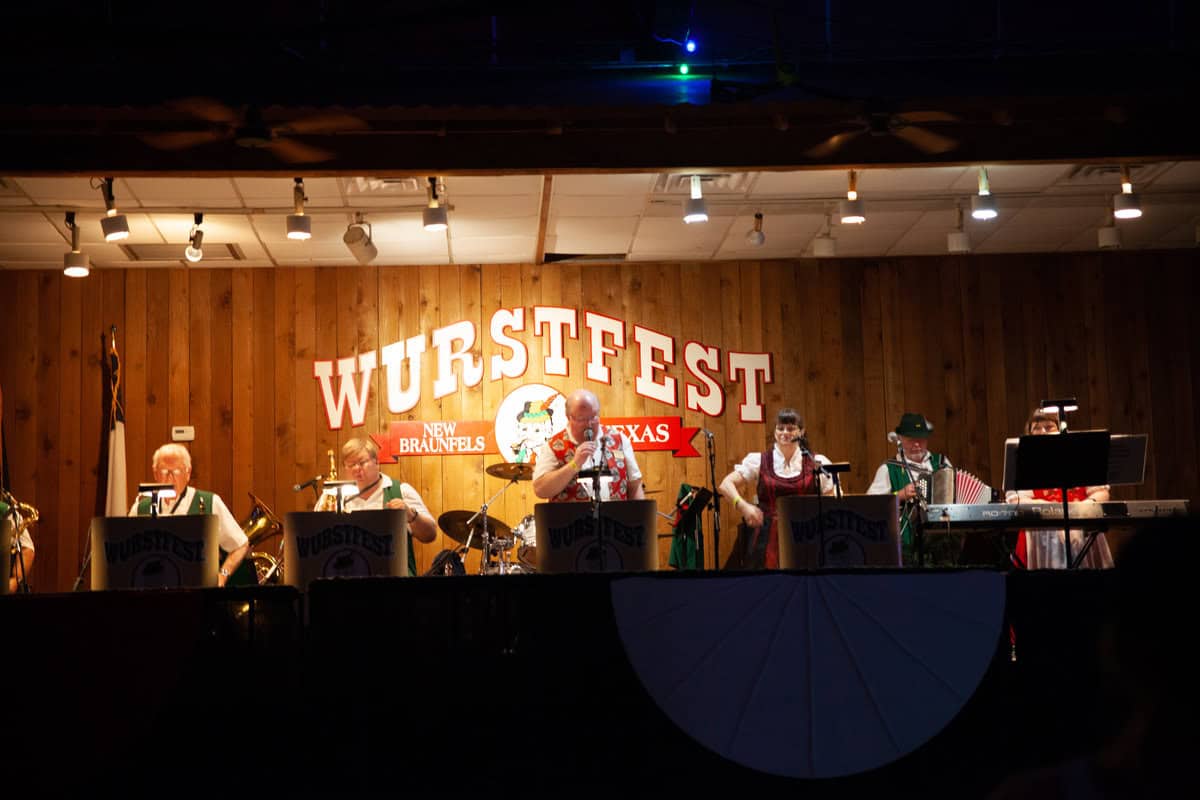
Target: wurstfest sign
x,y
665,373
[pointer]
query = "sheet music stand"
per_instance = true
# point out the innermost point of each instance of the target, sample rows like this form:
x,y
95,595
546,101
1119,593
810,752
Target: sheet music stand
x,y
361,544
568,539
1063,462
154,552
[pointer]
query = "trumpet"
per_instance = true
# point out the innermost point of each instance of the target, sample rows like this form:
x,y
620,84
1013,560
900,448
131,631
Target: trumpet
x,y
328,502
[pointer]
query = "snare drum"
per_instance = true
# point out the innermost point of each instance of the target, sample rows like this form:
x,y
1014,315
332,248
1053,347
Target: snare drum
x,y
526,534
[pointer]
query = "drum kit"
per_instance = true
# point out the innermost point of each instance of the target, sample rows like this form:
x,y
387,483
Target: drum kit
x,y
483,532
479,530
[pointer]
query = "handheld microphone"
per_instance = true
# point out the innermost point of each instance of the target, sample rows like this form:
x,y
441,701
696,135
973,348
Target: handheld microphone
x,y
709,434
299,487
894,437
589,435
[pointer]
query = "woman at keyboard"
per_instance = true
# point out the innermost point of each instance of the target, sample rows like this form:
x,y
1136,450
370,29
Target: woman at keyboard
x,y
1043,548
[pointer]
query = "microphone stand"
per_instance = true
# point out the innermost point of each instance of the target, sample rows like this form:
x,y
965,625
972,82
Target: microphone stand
x,y
716,499
816,475
921,503
601,466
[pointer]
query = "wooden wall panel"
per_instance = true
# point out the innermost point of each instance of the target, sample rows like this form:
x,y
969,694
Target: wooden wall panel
x,y
60,526
853,343
49,435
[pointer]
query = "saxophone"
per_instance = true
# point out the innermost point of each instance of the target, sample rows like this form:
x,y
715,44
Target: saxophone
x,y
328,502
27,513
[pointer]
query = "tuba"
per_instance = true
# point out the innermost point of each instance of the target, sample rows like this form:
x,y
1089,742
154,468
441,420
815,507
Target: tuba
x,y
262,525
328,502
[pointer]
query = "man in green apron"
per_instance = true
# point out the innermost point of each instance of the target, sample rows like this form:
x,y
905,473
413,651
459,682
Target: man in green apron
x,y
172,463
914,460
360,460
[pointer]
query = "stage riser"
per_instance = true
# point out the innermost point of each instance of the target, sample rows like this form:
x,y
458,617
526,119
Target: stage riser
x,y
401,682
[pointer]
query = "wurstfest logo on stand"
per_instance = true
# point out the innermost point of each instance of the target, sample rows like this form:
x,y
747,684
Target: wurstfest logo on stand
x,y
526,418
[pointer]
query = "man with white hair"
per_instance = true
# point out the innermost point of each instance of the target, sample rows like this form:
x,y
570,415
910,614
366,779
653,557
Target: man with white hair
x,y
565,454
172,463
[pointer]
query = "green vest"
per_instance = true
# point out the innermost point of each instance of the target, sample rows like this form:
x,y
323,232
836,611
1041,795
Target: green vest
x,y
202,503
3,508
393,493
898,476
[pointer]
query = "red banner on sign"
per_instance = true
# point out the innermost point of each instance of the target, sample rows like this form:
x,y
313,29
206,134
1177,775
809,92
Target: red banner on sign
x,y
477,437
656,433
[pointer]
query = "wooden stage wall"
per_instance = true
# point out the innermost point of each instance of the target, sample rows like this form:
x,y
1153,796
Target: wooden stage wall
x,y
973,342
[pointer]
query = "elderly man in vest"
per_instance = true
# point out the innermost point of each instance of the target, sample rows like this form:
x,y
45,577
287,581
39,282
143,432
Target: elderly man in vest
x,y
172,463
912,438
561,458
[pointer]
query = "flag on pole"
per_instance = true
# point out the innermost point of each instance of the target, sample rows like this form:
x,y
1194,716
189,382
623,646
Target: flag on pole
x,y
115,504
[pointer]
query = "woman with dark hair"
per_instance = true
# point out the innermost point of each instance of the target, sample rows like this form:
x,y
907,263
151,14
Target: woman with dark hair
x,y
1044,548
785,469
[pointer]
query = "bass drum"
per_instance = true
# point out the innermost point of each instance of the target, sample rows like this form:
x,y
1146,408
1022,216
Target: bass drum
x,y
526,535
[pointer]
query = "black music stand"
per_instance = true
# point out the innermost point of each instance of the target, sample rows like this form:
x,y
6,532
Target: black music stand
x,y
1063,462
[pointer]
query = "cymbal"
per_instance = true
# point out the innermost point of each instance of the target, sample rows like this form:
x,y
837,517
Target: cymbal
x,y
454,524
511,472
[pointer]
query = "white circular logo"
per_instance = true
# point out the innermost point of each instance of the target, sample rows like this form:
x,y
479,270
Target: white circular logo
x,y
527,417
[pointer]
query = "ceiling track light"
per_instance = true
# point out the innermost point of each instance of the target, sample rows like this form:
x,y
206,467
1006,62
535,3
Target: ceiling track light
x,y
192,252
695,209
298,225
957,240
755,236
114,224
358,240
1126,205
434,216
851,209
75,263
983,205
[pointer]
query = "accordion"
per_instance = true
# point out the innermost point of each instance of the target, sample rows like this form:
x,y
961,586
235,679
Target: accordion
x,y
950,485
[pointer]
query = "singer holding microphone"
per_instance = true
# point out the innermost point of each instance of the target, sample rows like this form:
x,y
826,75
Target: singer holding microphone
x,y
586,445
787,468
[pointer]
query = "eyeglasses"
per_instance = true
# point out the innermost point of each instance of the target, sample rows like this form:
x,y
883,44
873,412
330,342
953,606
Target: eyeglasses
x,y
360,464
588,418
170,473
787,428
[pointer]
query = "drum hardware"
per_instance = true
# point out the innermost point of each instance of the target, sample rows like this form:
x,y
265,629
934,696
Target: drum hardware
x,y
526,534
511,471
495,549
